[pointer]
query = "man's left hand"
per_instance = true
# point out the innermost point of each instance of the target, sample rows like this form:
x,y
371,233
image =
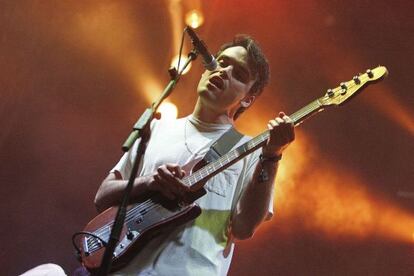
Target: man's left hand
x,y
282,133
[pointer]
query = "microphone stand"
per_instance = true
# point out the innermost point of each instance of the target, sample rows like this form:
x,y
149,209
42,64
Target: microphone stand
x,y
141,130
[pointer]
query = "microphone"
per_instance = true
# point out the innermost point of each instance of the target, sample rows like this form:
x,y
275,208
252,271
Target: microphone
x,y
209,61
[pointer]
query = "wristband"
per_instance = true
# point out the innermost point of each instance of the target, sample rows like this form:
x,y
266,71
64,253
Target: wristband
x,y
263,176
273,159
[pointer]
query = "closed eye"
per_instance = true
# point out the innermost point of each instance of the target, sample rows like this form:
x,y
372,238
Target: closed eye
x,y
239,72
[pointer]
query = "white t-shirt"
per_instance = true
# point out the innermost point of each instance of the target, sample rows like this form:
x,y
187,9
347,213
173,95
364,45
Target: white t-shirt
x,y
202,246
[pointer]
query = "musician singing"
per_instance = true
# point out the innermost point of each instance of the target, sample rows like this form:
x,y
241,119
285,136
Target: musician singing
x,y
238,199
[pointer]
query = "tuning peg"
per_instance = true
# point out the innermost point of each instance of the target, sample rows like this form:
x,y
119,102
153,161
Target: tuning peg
x,y
330,93
344,88
356,80
130,235
370,74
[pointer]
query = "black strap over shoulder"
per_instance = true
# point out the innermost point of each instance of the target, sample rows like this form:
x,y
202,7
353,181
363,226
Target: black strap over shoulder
x,y
223,145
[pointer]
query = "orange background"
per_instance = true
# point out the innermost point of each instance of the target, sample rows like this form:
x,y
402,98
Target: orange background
x,y
75,76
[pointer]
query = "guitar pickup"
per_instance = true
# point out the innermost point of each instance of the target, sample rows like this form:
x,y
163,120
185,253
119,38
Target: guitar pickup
x,y
139,219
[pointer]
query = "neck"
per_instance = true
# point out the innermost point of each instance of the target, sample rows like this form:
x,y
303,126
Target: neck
x,y
209,115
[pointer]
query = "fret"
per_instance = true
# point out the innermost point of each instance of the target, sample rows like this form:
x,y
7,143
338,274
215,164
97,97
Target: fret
x,y
186,180
191,179
202,173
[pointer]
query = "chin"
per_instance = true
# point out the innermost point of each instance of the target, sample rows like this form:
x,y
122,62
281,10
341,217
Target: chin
x,y
208,97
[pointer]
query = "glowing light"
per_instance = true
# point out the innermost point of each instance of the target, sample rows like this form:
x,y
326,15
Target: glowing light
x,y
319,196
108,31
174,63
396,110
194,19
168,111
351,210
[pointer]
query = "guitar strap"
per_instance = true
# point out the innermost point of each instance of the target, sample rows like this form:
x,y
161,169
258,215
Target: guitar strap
x,y
223,145
220,147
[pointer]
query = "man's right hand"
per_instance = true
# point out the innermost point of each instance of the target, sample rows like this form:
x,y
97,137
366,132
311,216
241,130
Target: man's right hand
x,y
167,181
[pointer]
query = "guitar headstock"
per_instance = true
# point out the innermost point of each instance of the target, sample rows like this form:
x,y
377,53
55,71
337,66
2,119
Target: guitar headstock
x,y
346,90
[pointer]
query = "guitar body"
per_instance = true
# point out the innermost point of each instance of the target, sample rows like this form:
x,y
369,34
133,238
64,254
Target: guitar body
x,y
144,220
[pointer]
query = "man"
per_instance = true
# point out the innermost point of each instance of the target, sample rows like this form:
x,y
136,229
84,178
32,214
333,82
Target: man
x,y
237,200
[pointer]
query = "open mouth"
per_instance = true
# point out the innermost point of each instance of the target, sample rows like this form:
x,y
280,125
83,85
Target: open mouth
x,y
217,82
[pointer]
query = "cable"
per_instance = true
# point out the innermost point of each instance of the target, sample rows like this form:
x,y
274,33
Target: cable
x,y
180,52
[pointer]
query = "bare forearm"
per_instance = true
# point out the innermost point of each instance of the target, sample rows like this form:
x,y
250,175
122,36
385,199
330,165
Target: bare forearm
x,y
253,205
166,180
111,191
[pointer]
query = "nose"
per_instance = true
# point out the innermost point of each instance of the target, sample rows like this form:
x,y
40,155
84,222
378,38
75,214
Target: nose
x,y
225,72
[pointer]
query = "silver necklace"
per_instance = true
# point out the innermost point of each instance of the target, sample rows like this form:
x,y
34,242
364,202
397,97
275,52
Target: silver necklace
x,y
185,138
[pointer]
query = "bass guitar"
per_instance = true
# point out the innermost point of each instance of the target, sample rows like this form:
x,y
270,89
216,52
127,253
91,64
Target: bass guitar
x,y
151,215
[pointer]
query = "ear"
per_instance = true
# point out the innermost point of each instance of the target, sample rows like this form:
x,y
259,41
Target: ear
x,y
247,101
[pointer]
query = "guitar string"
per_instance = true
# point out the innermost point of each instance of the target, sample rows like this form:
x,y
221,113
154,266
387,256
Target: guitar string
x,y
133,210
313,106
223,160
304,111
201,174
307,109
130,215
96,245
143,204
104,230
205,171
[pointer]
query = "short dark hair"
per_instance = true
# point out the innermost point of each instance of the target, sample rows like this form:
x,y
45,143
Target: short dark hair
x,y
257,62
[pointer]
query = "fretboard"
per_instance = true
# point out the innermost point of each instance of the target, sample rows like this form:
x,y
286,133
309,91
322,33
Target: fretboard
x,y
197,179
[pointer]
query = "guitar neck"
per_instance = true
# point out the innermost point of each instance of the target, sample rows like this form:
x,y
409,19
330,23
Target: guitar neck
x,y
198,179
305,112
